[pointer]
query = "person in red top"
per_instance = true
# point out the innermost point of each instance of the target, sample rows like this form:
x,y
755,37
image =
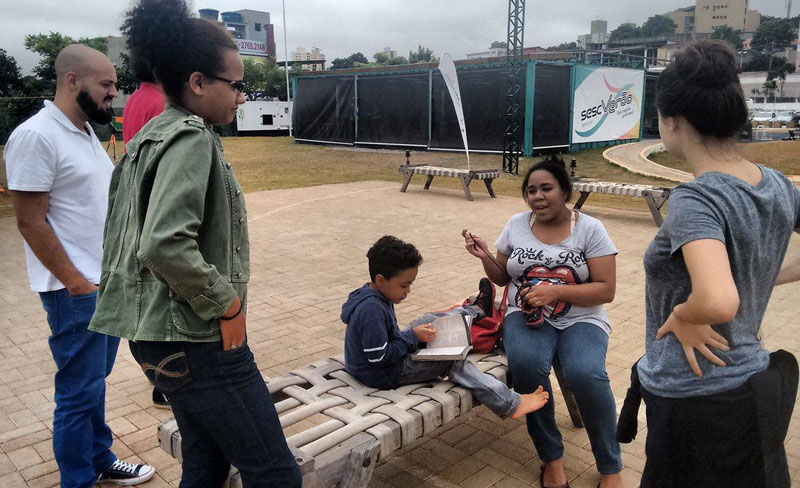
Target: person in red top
x,y
145,103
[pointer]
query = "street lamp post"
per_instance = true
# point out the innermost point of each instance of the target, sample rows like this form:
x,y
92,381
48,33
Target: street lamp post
x,y
286,63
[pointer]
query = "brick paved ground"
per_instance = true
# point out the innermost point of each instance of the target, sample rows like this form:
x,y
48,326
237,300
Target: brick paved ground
x,y
308,248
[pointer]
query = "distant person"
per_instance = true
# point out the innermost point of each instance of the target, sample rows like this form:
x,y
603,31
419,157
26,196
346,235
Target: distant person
x,y
378,354
145,103
560,267
176,256
718,418
58,174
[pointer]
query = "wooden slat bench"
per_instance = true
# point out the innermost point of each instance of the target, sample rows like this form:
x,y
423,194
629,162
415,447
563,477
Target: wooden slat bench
x,y
655,196
343,450
466,176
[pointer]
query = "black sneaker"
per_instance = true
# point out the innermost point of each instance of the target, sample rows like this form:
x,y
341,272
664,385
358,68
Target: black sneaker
x,y
159,399
485,296
123,473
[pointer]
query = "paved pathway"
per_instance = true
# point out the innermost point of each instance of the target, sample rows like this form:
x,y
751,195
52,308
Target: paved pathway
x,y
308,252
629,156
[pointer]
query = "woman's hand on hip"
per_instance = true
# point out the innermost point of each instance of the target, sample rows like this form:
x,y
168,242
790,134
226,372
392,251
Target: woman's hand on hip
x,y
691,337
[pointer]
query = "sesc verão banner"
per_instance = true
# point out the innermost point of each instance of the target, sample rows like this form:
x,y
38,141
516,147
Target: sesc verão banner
x,y
607,104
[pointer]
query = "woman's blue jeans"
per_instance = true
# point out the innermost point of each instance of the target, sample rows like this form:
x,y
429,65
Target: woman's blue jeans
x,y
581,349
224,412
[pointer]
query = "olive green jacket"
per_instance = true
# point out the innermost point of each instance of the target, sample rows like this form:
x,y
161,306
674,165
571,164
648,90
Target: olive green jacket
x,y
175,247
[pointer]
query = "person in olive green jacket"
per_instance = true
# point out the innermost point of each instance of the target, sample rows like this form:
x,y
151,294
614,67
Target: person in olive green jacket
x,y
176,256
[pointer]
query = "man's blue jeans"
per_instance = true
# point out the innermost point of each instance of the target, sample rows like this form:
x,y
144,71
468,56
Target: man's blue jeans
x,y
582,350
224,412
81,438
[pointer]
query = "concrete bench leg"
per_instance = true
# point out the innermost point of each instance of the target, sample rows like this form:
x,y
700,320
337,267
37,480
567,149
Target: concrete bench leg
x,y
569,397
655,204
406,181
488,183
581,200
428,183
465,181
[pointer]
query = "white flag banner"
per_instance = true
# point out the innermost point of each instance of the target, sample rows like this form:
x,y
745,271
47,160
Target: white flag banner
x,y
448,70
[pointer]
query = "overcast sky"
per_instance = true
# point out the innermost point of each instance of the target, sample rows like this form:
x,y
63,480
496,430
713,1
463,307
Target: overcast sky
x,y
342,27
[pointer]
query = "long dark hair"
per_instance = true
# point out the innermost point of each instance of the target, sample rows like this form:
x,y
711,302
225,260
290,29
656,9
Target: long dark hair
x,y
701,85
163,35
556,167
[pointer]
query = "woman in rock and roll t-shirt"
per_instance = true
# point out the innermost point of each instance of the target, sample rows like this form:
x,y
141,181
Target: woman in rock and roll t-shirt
x,y
560,267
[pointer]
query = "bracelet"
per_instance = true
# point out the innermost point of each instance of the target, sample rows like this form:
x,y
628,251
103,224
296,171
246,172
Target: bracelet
x,y
241,307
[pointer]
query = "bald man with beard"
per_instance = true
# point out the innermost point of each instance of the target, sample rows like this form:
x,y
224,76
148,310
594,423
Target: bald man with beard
x,y
59,174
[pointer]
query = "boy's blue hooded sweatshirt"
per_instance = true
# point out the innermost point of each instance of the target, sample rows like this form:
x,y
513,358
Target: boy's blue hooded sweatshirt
x,y
374,346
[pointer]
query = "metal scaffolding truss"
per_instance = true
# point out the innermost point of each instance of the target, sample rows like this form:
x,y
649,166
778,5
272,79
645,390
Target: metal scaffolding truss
x,y
512,146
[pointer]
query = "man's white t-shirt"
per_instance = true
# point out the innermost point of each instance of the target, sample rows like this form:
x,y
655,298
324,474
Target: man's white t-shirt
x,y
48,153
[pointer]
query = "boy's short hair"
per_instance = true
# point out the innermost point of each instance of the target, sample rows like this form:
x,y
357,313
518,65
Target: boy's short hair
x,y
389,256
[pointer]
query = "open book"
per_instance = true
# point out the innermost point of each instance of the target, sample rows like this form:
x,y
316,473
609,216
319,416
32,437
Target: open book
x,y
453,340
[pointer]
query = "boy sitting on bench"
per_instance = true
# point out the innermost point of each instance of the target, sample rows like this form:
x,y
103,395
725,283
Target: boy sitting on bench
x,y
378,354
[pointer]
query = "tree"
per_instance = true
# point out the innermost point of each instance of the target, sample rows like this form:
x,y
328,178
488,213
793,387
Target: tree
x,y
49,45
126,80
564,46
779,67
398,60
10,77
772,33
498,44
349,62
625,31
729,34
423,55
658,25
770,86
381,59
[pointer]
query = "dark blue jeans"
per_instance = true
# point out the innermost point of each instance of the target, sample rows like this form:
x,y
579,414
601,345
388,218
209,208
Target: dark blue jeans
x,y
81,438
224,412
582,350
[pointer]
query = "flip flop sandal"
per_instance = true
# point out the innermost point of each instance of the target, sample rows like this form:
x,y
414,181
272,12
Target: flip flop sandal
x,y
541,480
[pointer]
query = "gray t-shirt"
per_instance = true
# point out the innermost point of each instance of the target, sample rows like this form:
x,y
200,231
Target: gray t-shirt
x,y
755,224
564,263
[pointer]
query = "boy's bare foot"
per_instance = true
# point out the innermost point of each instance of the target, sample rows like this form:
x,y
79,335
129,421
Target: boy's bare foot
x,y
530,403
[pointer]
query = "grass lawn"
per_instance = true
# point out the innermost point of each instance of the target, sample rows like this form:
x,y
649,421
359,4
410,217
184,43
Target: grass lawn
x,y
268,163
781,155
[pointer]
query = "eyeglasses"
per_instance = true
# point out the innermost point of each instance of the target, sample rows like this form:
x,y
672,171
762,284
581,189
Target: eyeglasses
x,y
239,86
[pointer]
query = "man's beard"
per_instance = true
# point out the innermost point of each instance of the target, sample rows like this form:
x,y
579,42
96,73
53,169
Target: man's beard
x,y
92,110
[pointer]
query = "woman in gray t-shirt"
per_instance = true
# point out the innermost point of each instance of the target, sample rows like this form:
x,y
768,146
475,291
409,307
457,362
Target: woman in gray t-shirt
x,y
709,273
560,268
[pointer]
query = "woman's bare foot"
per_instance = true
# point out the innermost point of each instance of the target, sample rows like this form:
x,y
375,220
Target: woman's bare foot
x,y
530,403
611,481
553,474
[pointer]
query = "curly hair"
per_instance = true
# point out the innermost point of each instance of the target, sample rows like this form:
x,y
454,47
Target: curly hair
x,y
163,36
389,256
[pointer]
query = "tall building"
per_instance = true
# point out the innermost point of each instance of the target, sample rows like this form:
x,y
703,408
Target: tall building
x,y
308,57
251,29
716,13
701,19
683,18
598,36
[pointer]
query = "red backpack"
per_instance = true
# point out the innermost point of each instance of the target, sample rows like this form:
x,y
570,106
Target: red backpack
x,y
486,332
